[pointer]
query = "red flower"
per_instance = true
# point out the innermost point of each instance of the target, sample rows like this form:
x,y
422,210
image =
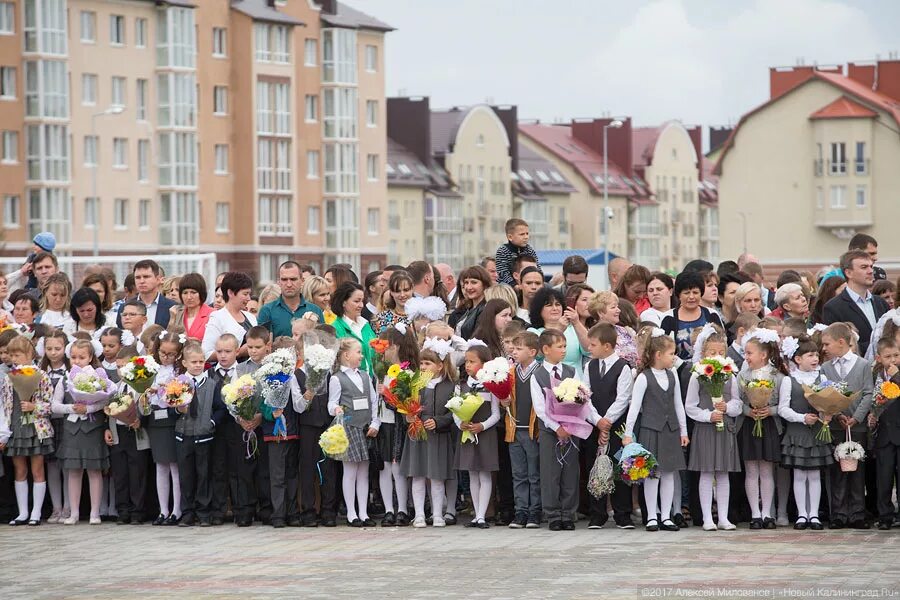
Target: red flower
x,y
726,368
139,361
709,370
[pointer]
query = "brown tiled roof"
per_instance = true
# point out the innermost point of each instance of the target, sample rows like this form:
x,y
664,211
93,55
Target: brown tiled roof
x,y
545,178
843,108
406,170
642,145
444,125
348,17
259,10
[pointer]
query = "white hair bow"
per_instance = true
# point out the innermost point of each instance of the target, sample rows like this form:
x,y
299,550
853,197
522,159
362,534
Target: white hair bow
x,y
896,319
400,326
657,332
95,345
39,347
789,347
127,338
474,342
766,336
439,346
818,327
707,331
431,307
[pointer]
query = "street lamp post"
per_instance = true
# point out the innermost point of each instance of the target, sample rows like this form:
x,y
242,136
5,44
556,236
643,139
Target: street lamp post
x,y
604,217
112,110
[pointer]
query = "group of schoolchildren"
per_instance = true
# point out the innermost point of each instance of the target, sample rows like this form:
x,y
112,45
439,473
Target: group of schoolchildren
x,y
207,462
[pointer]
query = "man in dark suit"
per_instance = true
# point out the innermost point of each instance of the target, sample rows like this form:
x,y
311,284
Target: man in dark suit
x,y
856,304
147,281
869,245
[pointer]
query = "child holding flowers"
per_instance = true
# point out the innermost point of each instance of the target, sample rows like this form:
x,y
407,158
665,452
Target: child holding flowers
x,y
26,409
714,450
801,450
352,395
479,457
55,364
656,398
112,339
161,428
760,433
884,419
82,446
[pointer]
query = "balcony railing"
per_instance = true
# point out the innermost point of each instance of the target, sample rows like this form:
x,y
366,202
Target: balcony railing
x,y
861,166
837,168
818,167
644,229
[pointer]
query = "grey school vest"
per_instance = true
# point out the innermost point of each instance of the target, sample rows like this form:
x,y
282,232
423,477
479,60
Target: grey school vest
x,y
658,408
202,424
349,392
543,378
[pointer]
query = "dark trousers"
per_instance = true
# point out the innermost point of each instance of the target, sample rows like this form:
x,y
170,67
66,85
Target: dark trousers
x,y
310,455
871,474
559,477
505,499
621,496
219,473
194,474
847,490
129,472
887,460
284,474
248,478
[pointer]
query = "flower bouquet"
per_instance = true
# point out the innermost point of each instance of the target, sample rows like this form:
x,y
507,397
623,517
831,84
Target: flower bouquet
x,y
465,407
139,374
380,364
122,407
713,373
273,377
600,481
759,393
636,464
334,441
178,392
25,380
829,398
887,392
319,354
848,454
239,396
567,404
402,394
89,386
496,377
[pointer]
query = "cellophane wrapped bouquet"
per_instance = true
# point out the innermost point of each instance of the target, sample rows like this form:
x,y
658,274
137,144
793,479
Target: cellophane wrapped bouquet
x,y
89,386
402,394
713,373
319,354
567,404
273,377
139,373
465,407
830,398
759,393
177,392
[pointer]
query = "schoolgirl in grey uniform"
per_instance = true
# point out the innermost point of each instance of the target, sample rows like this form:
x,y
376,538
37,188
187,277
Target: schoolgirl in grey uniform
x,y
55,364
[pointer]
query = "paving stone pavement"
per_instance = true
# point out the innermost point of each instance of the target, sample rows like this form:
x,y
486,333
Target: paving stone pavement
x,y
109,561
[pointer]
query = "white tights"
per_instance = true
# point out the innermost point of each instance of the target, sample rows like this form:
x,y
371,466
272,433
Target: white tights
x,y
437,496
95,480
165,472
356,489
480,485
390,472
723,491
807,492
760,486
664,489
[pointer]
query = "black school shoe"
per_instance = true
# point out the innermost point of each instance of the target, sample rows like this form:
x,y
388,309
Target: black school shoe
x,y
160,520
172,521
756,524
449,519
389,520
815,524
860,524
769,523
884,525
355,523
278,523
801,524
123,520
597,522
669,525
519,522
624,523
402,519
568,526
325,522
652,525
679,520
188,521
837,524
368,522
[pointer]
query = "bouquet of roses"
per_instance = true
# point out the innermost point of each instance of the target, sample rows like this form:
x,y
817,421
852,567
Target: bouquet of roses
x,y
178,392
240,397
759,393
636,464
567,404
380,364
496,377
319,354
713,373
465,407
886,393
829,398
89,386
25,380
122,407
402,394
273,377
334,441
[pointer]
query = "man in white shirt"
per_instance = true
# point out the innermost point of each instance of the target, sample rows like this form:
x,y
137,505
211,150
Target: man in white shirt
x,y
147,281
856,304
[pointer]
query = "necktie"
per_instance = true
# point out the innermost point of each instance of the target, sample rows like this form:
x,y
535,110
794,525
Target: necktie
x,y
842,368
225,374
556,373
602,369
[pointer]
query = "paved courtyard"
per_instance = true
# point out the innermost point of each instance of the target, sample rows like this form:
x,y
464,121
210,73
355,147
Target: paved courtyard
x,y
110,561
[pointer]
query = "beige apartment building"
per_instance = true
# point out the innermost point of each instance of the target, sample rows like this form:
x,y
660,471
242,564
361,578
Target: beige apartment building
x,y
815,164
248,128
542,197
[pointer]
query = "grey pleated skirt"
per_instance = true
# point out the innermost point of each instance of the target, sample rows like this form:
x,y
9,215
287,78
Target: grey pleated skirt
x,y
432,458
24,440
713,450
665,445
801,450
162,444
81,449
478,457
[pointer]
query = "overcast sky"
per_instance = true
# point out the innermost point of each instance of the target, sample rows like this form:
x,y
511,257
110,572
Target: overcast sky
x,y
701,61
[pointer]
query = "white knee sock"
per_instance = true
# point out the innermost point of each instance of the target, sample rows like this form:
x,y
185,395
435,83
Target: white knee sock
x,y
418,494
723,494
22,499
38,490
54,485
437,497
475,490
666,493
783,483
486,485
400,485
751,486
451,488
386,487
176,490
95,481
348,484
75,477
706,496
800,494
651,492
766,486
163,488
814,480
362,489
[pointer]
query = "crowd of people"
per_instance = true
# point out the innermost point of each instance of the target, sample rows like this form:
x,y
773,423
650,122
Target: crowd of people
x,y
722,460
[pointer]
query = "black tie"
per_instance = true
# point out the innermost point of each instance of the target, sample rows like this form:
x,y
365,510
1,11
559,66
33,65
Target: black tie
x,y
602,369
226,379
556,373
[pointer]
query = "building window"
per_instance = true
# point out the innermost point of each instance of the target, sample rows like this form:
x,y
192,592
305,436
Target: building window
x,y
273,165
373,218
371,113
140,32
340,108
342,223
11,212
861,196
372,167
312,108
7,18
7,83
179,223
90,150
862,163
220,42
838,158
221,159
220,100
88,26
341,172
222,217
118,91
837,196
116,30
275,216
371,58
310,52
143,160
313,219
121,213
273,43
141,100
312,164
88,89
10,147
339,56
91,212
120,153
144,213
273,104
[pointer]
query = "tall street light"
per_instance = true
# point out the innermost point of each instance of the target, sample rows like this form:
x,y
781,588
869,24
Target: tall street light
x,y
604,218
112,110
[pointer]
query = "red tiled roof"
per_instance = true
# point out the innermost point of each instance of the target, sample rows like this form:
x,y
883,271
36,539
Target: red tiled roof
x,y
642,145
860,91
558,140
843,108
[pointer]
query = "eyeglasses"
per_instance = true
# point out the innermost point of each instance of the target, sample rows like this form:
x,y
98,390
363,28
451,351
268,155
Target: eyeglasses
x,y
131,315
168,354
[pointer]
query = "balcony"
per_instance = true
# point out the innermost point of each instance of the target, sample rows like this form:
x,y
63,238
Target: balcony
x,y
837,167
709,233
861,166
644,229
818,167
